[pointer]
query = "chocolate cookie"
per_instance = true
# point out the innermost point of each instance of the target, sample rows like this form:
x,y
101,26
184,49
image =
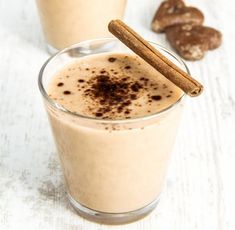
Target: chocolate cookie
x,y
192,41
174,12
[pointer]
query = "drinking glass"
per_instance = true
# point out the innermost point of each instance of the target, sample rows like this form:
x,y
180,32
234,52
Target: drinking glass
x,y
114,169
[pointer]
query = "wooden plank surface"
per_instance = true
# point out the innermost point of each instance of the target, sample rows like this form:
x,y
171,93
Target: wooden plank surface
x,y
199,192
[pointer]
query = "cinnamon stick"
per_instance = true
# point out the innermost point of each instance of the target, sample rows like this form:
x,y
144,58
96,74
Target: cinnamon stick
x,y
152,56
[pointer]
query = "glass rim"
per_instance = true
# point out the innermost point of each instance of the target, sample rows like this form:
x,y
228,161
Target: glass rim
x,y
61,108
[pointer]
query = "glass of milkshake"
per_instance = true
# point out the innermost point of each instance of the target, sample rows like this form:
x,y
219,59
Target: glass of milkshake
x,y
114,120
66,22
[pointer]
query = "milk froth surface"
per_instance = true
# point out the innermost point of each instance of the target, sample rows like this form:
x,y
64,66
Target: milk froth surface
x,y
112,86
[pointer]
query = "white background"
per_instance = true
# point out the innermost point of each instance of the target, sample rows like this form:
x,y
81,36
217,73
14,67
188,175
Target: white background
x,y
199,193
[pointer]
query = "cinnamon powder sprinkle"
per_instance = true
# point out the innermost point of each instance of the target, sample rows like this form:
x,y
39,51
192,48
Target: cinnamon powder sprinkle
x,y
112,94
67,92
112,59
60,84
156,97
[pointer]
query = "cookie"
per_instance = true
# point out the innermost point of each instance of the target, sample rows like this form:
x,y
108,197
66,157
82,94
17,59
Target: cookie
x,y
175,12
192,41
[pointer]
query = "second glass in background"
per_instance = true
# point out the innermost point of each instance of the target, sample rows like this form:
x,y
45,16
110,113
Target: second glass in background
x,y
66,22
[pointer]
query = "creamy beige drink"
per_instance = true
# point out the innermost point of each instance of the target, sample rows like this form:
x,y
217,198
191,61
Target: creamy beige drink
x,y
114,166
66,22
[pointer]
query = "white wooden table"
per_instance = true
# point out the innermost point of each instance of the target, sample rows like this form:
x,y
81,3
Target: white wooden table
x,y
199,193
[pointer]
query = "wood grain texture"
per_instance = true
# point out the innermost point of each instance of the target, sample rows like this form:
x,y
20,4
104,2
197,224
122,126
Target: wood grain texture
x,y
199,192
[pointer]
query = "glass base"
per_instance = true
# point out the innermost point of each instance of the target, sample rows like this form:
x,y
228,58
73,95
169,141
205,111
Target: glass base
x,y
112,218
